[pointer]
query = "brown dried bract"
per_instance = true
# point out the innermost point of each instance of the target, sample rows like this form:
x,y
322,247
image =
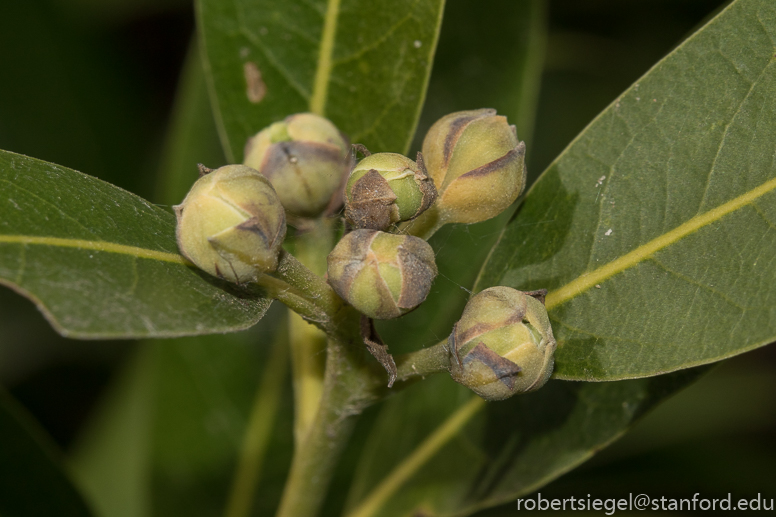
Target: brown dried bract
x,y
377,348
372,206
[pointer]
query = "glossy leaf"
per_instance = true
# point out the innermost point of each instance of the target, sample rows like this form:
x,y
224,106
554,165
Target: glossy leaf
x,y
101,262
32,479
362,63
492,452
654,230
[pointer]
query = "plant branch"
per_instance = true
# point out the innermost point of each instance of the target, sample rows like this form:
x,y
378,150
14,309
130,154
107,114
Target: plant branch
x,y
316,457
308,343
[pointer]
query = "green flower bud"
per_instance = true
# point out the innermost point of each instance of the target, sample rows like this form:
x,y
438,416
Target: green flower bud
x,y
305,157
503,344
477,164
381,274
386,188
232,224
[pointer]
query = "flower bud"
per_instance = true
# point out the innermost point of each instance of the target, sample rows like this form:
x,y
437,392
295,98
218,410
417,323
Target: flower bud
x,y
381,274
386,188
305,158
503,344
477,164
232,224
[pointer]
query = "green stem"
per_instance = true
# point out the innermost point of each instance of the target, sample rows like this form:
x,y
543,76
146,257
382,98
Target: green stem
x,y
316,456
426,224
258,432
308,343
424,362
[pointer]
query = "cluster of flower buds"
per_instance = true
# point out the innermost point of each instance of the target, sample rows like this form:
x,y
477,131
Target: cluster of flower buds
x,y
232,224
503,344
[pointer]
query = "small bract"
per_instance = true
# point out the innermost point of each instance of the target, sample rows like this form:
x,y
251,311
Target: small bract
x,y
503,344
386,188
232,224
382,275
305,157
477,164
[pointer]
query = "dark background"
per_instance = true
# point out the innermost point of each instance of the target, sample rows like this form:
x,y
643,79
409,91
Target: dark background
x,y
90,84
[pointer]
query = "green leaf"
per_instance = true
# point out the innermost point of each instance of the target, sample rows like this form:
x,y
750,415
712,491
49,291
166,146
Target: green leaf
x,y
654,230
455,457
32,480
167,439
364,64
103,263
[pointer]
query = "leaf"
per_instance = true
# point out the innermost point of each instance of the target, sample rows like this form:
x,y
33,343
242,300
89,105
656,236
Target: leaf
x,y
185,403
103,263
462,455
32,480
364,64
654,230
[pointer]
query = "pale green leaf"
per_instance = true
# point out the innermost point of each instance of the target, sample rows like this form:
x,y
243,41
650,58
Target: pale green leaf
x,y
655,230
103,263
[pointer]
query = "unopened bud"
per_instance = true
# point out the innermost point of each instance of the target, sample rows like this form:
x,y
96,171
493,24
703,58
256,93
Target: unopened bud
x,y
477,164
386,188
503,344
382,275
305,157
231,224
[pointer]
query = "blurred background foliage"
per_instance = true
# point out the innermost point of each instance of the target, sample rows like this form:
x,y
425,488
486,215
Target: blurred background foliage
x,y
91,84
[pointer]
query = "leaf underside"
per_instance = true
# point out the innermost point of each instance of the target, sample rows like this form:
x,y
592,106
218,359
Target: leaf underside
x,y
655,230
103,263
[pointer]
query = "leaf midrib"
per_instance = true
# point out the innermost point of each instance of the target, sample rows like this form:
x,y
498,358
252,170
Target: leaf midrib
x,y
108,247
588,280
325,52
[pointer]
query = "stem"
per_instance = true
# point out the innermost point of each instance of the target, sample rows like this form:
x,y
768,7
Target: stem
x,y
426,224
258,432
426,361
316,290
316,457
308,343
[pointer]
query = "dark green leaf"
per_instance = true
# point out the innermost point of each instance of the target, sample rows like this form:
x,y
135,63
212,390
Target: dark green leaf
x,y
492,452
101,262
166,441
654,230
32,481
362,63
